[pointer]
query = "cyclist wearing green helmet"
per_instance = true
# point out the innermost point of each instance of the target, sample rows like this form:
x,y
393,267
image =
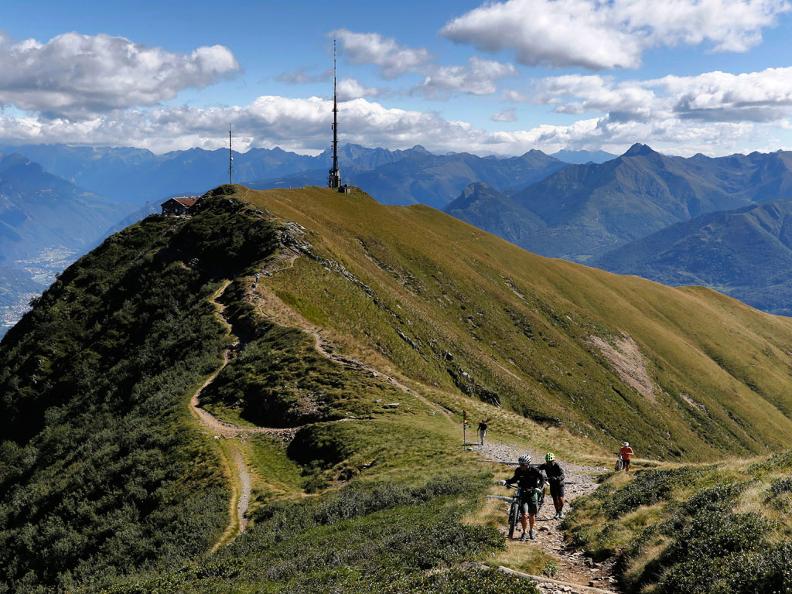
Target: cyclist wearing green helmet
x,y
555,476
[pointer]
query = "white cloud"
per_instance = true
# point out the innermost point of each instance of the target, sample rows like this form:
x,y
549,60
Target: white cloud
x,y
303,125
722,96
579,94
515,96
76,75
372,48
507,115
350,88
479,77
763,96
600,34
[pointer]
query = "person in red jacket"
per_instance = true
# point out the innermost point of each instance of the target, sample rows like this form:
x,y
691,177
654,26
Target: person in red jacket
x,y
626,453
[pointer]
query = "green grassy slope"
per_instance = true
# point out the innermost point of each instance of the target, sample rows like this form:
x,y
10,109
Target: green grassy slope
x,y
459,309
695,529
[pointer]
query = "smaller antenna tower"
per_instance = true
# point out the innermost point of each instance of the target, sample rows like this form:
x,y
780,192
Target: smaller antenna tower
x,y
230,157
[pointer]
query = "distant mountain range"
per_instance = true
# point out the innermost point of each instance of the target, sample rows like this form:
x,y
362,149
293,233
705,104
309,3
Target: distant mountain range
x,y
746,253
39,210
132,175
579,205
583,211
45,222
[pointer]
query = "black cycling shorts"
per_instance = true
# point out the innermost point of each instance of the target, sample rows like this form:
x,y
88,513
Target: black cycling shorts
x,y
528,507
556,488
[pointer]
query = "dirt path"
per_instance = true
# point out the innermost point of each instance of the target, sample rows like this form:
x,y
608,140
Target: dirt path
x,y
575,571
235,462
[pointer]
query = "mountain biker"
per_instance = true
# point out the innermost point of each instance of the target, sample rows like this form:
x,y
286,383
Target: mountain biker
x,y
555,476
530,481
626,453
482,430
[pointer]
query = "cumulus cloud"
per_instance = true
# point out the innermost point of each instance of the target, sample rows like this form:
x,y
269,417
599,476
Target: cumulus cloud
x,y
577,94
75,75
478,77
350,88
597,34
515,96
713,112
722,96
392,58
303,125
762,96
507,115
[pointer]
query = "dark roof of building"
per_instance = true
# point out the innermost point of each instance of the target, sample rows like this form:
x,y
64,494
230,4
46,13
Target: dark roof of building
x,y
187,201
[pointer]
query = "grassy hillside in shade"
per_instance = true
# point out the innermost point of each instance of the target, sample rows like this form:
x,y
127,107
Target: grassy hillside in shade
x,y
695,529
99,471
679,372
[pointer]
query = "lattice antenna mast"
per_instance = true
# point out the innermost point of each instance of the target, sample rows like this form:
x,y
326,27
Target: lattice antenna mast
x,y
334,179
230,157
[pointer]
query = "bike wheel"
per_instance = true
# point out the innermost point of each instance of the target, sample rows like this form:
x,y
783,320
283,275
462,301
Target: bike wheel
x,y
514,514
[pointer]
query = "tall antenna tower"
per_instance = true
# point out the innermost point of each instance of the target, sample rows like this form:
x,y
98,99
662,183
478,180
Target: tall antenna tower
x,y
230,157
334,178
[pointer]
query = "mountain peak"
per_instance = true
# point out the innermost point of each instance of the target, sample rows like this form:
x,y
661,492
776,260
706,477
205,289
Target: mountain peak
x,y
639,149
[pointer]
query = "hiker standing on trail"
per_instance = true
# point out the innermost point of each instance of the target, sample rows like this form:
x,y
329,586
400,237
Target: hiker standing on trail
x,y
556,478
626,454
482,430
530,481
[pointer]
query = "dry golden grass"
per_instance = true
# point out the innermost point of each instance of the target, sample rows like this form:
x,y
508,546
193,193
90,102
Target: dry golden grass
x,y
453,299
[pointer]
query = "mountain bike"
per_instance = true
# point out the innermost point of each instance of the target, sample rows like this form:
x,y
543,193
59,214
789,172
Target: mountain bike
x,y
514,507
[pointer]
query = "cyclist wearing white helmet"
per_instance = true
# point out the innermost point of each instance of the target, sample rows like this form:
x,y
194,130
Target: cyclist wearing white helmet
x,y
530,481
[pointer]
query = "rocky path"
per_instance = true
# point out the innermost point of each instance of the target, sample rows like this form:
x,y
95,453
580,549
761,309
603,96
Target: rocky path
x,y
576,573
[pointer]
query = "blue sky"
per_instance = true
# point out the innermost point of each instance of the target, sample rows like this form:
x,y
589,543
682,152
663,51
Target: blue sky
x,y
685,76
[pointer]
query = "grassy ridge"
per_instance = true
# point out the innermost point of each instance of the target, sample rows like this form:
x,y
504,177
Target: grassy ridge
x,y
106,484
459,309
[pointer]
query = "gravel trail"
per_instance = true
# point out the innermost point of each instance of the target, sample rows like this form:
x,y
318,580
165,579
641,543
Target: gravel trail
x,y
576,573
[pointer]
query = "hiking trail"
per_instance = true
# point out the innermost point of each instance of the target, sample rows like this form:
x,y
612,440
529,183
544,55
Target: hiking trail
x,y
576,573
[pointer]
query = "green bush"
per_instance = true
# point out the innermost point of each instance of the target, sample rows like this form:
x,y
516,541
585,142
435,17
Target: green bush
x,y
367,537
646,488
780,486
